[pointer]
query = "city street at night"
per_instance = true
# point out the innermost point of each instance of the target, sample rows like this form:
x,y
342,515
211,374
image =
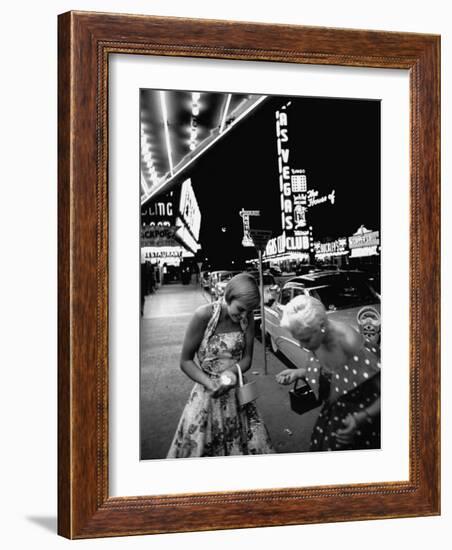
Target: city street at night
x,y
265,199
165,388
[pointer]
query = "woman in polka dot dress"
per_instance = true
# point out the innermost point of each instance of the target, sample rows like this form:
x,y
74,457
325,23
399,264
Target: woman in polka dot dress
x,y
343,369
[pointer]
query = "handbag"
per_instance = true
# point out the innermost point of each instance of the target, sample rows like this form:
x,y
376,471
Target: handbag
x,y
303,398
245,392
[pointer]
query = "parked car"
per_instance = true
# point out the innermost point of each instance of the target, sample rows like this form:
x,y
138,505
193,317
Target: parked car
x,y
205,280
303,269
213,279
271,290
343,293
221,281
274,270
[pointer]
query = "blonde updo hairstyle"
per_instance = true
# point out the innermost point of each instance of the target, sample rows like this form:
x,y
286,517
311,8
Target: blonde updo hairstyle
x,y
243,287
303,312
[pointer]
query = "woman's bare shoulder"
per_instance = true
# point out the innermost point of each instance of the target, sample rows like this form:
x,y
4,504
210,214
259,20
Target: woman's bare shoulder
x,y
352,341
203,313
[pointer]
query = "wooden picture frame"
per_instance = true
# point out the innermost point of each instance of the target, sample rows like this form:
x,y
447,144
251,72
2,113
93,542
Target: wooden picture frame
x,y
86,40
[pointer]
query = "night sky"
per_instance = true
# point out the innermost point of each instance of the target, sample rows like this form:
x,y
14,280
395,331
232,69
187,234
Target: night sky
x,y
337,142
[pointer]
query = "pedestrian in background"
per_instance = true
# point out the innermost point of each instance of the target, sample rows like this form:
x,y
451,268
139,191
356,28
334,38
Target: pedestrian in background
x,y
343,362
219,340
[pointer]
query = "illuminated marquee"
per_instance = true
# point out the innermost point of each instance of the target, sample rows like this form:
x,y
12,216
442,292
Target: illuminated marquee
x,y
186,237
283,244
295,197
333,248
150,252
314,199
372,238
188,223
364,243
160,234
189,209
160,209
292,181
245,214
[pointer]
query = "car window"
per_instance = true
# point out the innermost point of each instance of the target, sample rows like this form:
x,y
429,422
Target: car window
x,y
298,292
286,296
268,280
344,296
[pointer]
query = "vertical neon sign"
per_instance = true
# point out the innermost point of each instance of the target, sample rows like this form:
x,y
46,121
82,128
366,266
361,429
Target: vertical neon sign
x,y
293,192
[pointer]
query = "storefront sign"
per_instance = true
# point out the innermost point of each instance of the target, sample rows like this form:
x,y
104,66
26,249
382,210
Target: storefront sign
x,y
160,234
158,219
292,181
154,231
159,212
314,199
160,209
364,251
186,237
295,197
364,238
283,244
161,252
364,243
245,214
189,209
333,248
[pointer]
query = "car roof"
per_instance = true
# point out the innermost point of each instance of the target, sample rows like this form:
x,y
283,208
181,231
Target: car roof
x,y
319,278
265,273
230,272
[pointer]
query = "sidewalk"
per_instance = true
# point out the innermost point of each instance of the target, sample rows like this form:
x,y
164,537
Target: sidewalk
x,y
289,431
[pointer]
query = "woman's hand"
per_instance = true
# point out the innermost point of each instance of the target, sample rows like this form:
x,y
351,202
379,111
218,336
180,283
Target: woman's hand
x,y
212,386
345,435
289,375
223,384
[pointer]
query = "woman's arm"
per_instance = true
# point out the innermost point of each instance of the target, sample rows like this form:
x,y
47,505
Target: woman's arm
x,y
192,340
288,376
352,422
373,410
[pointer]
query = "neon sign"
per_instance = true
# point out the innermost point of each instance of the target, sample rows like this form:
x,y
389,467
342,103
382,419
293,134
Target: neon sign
x,y
364,242
333,248
368,238
245,214
314,199
189,209
162,252
283,243
185,236
292,182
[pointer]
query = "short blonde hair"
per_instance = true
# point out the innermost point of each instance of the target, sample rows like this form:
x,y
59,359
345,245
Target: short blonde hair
x,y
303,312
243,287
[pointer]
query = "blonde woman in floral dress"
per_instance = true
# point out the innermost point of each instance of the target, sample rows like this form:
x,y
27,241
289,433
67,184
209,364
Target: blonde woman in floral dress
x,y
221,337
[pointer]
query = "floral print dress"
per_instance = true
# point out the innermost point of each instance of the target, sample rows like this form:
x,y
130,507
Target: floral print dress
x,y
349,388
219,426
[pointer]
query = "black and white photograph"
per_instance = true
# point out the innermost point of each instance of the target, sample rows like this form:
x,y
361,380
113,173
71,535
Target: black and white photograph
x,y
209,210
260,274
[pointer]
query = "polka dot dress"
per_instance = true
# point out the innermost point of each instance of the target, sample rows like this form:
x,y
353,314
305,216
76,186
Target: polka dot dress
x,y
350,388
